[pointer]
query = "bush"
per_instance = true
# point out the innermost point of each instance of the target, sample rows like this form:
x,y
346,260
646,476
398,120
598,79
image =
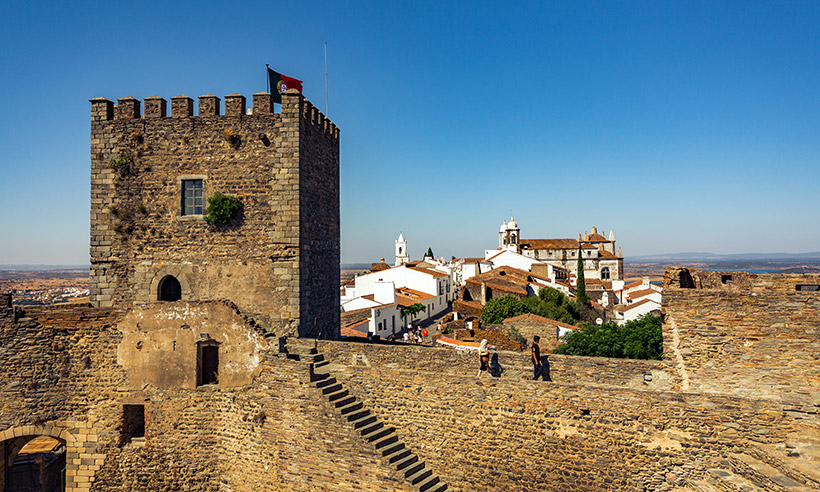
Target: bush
x,y
638,339
498,309
515,335
222,209
122,164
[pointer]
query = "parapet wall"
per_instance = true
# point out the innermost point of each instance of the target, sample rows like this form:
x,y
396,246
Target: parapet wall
x,y
621,373
736,333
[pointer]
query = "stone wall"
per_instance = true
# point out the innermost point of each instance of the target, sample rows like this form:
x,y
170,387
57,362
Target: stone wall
x,y
588,429
67,373
284,168
744,334
600,424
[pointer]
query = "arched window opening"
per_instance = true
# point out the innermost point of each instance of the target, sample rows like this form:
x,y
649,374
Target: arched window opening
x,y
36,463
169,289
605,273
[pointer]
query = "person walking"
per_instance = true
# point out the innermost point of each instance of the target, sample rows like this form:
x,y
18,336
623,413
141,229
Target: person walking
x,y
537,367
483,357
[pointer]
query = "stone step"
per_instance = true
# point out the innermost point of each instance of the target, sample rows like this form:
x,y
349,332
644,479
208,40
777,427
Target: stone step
x,y
406,461
392,448
733,481
351,408
356,414
397,456
372,427
428,483
439,487
420,476
385,441
320,364
414,468
337,395
331,389
325,381
377,434
344,401
363,421
768,471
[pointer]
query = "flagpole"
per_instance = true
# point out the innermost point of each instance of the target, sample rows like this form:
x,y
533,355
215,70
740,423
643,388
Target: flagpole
x,y
267,79
327,109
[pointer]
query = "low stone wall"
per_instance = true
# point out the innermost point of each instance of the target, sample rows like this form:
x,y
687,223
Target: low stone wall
x,y
627,373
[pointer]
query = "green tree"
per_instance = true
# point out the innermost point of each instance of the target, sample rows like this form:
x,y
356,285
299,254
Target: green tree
x,y
580,285
413,309
429,253
638,339
498,309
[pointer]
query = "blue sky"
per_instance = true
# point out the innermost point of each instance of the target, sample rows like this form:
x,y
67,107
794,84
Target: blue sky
x,y
683,126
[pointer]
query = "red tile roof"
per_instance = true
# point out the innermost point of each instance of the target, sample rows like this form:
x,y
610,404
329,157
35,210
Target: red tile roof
x,y
430,271
553,244
636,304
352,332
596,238
541,319
641,293
413,293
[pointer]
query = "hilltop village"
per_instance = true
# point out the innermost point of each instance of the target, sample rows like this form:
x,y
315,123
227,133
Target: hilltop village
x,y
451,295
217,353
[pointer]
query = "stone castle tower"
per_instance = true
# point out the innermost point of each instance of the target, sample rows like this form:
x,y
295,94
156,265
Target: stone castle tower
x,y
152,175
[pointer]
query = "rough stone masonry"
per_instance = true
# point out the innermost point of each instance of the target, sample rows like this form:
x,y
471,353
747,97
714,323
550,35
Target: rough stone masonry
x,y
176,377
278,261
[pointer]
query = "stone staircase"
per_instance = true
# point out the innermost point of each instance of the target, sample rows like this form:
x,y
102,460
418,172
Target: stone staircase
x,y
382,439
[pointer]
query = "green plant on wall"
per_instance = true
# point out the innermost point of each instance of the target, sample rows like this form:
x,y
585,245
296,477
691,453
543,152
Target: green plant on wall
x,y
122,164
222,209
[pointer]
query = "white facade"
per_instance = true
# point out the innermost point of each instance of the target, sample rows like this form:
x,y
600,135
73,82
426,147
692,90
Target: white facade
x,y
379,288
402,257
635,310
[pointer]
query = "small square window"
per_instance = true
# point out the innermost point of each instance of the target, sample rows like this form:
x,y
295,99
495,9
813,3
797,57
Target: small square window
x,y
192,197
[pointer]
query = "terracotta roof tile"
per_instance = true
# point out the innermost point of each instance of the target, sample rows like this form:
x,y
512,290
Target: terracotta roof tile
x,y
413,293
641,293
430,271
636,304
352,332
553,244
542,319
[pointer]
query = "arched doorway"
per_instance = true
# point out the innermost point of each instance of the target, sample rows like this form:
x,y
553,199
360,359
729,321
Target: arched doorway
x,y
169,289
33,464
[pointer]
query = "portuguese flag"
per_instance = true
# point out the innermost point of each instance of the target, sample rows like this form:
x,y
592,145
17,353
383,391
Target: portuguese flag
x,y
280,83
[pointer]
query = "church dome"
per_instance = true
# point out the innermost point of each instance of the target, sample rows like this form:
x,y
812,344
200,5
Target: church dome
x,y
503,226
512,224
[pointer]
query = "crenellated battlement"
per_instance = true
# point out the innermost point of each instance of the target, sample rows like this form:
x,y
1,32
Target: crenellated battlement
x,y
210,106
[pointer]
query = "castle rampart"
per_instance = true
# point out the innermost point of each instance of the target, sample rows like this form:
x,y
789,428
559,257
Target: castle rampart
x,y
744,334
151,177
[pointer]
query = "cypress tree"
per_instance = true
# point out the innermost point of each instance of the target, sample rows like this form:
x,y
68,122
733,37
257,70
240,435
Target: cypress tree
x,y
580,285
430,252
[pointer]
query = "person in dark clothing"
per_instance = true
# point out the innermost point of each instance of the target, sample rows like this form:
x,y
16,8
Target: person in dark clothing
x,y
537,368
495,367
